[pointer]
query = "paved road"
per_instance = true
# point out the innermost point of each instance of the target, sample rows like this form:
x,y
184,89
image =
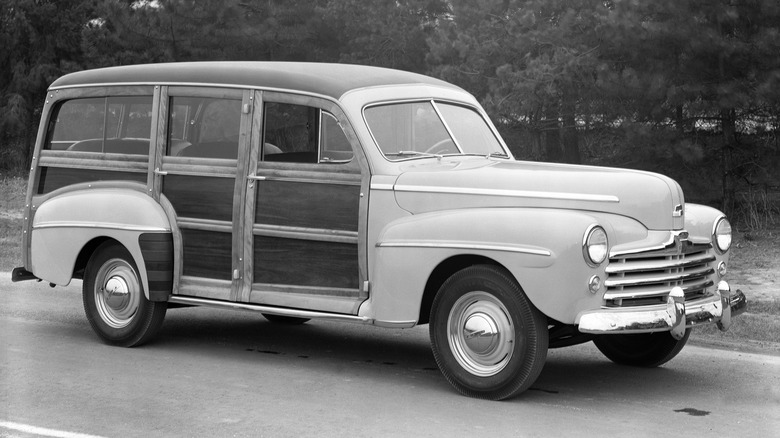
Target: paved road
x,y
221,373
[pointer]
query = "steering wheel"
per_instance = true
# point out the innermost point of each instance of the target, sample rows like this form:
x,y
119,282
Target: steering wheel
x,y
441,147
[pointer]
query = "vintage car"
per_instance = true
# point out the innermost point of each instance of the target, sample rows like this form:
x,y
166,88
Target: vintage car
x,y
365,195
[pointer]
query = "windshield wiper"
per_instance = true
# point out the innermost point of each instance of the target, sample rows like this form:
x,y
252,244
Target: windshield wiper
x,y
413,153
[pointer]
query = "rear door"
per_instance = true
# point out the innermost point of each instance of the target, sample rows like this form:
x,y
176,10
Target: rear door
x,y
200,174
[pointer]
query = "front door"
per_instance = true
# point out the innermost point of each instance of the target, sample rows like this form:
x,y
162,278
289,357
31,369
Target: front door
x,y
304,201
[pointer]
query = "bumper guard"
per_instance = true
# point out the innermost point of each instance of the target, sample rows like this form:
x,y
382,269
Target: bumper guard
x,y
675,316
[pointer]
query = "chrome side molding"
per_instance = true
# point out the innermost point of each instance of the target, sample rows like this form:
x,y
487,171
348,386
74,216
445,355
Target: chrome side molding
x,y
297,313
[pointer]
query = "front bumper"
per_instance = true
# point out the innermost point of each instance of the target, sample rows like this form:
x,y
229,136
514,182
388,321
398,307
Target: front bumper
x,y
675,316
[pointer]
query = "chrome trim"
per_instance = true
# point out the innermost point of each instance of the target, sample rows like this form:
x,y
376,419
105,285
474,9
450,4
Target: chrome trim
x,y
714,235
619,268
675,316
586,254
192,301
381,186
447,126
508,193
101,225
655,291
646,319
671,242
653,279
463,245
678,211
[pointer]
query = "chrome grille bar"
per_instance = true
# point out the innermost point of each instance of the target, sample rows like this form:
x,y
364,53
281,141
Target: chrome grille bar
x,y
652,274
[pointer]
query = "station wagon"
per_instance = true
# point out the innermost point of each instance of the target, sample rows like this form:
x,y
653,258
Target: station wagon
x,y
358,194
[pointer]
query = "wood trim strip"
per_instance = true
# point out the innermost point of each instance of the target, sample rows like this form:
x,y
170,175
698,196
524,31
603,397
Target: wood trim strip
x,y
310,290
318,234
239,194
160,140
204,224
250,196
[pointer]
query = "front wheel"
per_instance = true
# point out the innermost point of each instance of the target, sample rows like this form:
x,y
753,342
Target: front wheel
x,y
641,350
488,339
114,300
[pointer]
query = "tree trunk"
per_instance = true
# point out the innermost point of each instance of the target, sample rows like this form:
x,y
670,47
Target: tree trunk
x,y
552,135
571,147
679,120
728,127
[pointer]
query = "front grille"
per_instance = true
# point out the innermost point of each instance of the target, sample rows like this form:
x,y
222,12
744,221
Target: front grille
x,y
647,277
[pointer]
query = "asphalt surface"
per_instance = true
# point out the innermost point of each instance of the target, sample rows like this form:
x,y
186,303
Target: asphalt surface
x,y
223,373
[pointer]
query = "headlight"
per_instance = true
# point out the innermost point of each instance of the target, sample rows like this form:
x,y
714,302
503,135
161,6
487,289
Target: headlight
x,y
721,235
595,247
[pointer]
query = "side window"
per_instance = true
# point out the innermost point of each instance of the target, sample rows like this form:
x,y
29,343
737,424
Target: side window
x,y
303,134
204,127
290,133
334,146
118,124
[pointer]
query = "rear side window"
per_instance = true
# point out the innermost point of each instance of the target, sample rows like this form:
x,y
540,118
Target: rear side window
x,y
204,127
116,124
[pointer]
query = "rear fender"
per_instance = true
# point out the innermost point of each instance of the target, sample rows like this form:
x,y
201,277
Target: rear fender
x,y
68,219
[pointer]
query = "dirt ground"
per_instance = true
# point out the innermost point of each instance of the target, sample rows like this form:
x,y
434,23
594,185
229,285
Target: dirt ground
x,y
755,264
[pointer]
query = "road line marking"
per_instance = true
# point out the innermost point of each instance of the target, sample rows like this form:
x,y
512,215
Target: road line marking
x,y
26,428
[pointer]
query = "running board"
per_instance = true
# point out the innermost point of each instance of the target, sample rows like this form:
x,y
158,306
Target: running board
x,y
296,313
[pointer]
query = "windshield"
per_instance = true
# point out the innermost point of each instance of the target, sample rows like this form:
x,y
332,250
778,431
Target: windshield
x,y
430,128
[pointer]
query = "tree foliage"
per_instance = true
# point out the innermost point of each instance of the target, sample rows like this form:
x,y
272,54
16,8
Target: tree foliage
x,y
671,85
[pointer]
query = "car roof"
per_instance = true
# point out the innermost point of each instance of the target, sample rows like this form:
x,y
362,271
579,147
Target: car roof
x,y
333,80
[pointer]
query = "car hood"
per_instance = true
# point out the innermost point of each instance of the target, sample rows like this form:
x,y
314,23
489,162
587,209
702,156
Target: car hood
x,y
432,185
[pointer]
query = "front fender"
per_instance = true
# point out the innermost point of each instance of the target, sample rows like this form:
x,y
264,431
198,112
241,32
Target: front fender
x,y
700,221
68,220
542,248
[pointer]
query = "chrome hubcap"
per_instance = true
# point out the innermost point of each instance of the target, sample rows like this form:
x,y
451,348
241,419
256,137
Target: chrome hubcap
x,y
117,293
481,334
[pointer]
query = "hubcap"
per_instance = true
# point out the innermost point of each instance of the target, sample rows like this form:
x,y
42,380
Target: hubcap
x,y
117,293
481,333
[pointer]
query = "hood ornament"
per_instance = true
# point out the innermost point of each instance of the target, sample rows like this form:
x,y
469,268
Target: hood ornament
x,y
678,211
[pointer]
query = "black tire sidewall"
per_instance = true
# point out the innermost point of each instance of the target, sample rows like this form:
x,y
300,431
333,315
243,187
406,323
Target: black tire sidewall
x,y
647,350
522,368
136,331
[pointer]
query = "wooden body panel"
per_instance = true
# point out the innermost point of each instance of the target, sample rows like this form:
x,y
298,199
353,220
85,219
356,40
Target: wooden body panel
x,y
53,178
305,262
200,197
309,204
207,254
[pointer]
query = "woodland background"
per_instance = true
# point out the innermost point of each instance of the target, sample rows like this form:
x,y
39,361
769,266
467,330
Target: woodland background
x,y
688,88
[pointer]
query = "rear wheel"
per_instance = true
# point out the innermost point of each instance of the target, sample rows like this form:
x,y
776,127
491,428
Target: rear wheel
x,y
641,350
488,340
114,300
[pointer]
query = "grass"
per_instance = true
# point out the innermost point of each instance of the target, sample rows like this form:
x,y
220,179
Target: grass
x,y
12,193
754,263
755,259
